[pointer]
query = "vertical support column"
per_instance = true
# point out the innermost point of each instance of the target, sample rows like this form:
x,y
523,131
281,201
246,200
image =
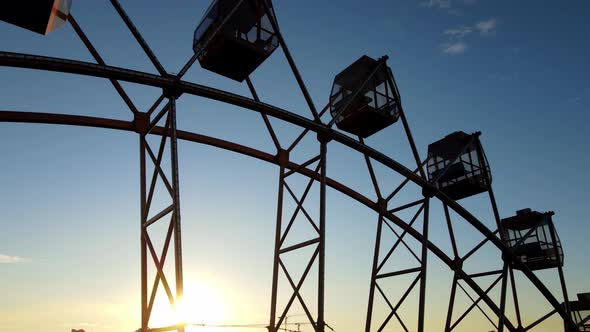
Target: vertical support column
x,y
278,319
378,264
424,267
275,267
515,297
459,261
143,125
457,264
374,273
176,202
143,245
561,279
322,245
451,303
502,315
503,298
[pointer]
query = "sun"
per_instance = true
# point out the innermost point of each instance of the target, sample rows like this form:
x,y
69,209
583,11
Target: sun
x,y
201,304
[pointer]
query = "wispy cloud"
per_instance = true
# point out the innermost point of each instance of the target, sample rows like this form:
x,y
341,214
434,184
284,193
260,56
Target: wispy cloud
x,y
6,259
437,4
453,7
456,37
458,32
454,48
486,27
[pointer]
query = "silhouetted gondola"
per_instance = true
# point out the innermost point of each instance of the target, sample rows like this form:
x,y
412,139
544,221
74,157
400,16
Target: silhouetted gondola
x,y
364,98
581,311
458,167
237,47
532,237
41,16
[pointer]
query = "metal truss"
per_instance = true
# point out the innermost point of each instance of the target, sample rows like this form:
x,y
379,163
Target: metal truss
x,y
378,264
459,276
160,122
504,275
318,242
86,121
419,271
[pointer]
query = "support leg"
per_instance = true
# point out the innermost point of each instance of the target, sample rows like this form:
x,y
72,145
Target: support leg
x,y
143,245
374,274
275,268
422,304
515,297
451,303
503,298
176,203
322,245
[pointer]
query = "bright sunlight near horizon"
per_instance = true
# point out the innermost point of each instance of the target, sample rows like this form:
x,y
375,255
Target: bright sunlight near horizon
x,y
201,304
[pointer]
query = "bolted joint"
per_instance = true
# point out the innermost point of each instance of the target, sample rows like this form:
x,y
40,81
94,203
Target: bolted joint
x,y
282,157
457,264
505,257
141,122
428,192
324,137
172,91
382,206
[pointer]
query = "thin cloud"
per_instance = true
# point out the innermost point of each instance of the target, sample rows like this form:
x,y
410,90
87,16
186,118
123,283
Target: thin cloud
x,y
6,259
456,37
486,27
458,32
453,7
444,4
454,48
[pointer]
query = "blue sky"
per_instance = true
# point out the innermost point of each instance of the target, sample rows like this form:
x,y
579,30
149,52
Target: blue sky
x,y
69,249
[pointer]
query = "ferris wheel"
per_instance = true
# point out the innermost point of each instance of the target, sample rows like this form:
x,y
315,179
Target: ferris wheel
x,y
233,39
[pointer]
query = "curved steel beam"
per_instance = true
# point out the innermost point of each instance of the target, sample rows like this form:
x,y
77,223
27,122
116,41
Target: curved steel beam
x,y
84,68
77,120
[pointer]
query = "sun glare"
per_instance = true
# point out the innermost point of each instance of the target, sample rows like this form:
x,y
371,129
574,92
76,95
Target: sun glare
x,y
201,304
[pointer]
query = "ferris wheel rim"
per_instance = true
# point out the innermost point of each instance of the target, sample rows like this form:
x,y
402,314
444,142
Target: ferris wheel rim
x,y
62,65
